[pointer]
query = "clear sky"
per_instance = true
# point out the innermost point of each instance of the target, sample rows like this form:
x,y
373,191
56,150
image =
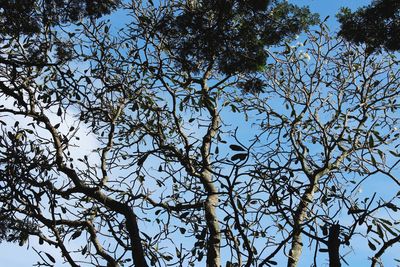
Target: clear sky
x,y
13,255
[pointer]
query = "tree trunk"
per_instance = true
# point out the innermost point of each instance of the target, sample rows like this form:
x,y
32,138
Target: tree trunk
x,y
137,248
210,206
214,239
300,215
333,246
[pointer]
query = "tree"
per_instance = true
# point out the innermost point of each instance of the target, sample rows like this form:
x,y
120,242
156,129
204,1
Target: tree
x,y
173,176
338,131
375,25
32,16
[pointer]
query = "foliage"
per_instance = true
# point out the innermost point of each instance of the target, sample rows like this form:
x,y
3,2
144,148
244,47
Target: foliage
x,y
118,153
233,34
376,25
30,16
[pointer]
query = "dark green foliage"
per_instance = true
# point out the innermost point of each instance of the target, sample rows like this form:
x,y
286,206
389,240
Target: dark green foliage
x,y
3,228
29,16
377,25
13,229
230,35
252,85
257,4
18,17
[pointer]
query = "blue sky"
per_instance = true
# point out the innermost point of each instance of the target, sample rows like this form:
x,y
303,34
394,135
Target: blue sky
x,y
326,7
13,255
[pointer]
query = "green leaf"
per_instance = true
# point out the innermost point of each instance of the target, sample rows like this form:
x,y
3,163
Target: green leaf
x,y
84,250
371,141
376,133
23,238
178,253
394,153
236,148
167,257
389,229
384,221
240,156
392,206
373,160
287,50
371,246
76,235
381,154
379,230
50,257
239,204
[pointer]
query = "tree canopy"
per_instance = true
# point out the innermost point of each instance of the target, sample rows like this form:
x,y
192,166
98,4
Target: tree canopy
x,y
233,34
376,25
30,16
199,133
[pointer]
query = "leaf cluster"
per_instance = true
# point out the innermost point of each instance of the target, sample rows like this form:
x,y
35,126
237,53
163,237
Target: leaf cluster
x,y
231,35
376,25
30,16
